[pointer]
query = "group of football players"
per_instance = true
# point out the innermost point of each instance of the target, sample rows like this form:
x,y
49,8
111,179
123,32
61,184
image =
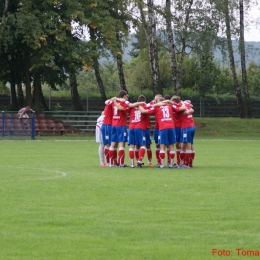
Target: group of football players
x,y
124,122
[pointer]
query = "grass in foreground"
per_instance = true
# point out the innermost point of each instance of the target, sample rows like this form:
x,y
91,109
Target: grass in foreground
x,y
57,203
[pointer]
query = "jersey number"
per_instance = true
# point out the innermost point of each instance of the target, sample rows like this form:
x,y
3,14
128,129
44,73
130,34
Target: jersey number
x,y
115,110
165,111
137,116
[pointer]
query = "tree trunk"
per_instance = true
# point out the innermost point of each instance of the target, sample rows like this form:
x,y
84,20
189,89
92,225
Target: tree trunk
x,y
176,66
232,63
100,82
27,76
183,47
153,51
13,92
173,63
120,66
96,67
247,102
74,92
150,31
36,92
21,101
42,100
2,24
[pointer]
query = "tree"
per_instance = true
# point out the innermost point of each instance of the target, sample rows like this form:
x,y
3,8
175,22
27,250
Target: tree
x,y
190,73
226,9
207,72
175,72
149,26
95,63
189,25
248,108
119,13
3,20
231,60
138,73
11,51
106,24
232,17
253,72
119,60
21,100
74,92
176,66
39,36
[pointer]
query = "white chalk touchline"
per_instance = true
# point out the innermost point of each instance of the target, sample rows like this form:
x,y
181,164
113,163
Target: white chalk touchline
x,y
62,174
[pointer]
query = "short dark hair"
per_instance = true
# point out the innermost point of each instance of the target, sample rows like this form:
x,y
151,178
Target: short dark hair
x,y
167,97
161,99
141,98
176,99
122,93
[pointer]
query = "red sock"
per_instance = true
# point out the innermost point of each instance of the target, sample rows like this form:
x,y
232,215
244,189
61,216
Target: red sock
x,y
187,158
121,156
106,153
149,155
136,154
115,157
171,156
131,155
141,154
192,156
162,156
111,155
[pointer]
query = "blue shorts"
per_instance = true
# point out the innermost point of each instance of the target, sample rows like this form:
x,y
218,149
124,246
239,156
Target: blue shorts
x,y
106,134
155,135
178,134
167,136
136,136
187,134
148,136
119,134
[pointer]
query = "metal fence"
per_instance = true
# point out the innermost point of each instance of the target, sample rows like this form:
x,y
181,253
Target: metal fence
x,y
207,107
13,127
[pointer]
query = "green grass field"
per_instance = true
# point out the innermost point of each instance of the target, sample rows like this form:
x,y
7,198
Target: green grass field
x,y
57,203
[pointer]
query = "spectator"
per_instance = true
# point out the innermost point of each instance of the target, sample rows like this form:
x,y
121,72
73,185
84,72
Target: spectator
x,y
22,113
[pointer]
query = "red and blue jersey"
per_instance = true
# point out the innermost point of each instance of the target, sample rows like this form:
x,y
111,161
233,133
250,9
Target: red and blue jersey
x,y
137,119
186,120
119,117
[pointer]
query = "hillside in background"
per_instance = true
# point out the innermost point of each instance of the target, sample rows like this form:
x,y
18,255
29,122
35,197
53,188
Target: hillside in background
x,y
252,53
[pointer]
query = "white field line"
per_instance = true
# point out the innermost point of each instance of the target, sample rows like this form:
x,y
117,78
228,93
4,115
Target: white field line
x,y
59,173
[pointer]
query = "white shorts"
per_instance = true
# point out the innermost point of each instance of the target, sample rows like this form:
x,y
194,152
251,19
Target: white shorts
x,y
99,135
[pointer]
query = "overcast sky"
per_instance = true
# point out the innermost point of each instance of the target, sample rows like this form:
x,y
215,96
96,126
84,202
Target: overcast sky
x,y
253,33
